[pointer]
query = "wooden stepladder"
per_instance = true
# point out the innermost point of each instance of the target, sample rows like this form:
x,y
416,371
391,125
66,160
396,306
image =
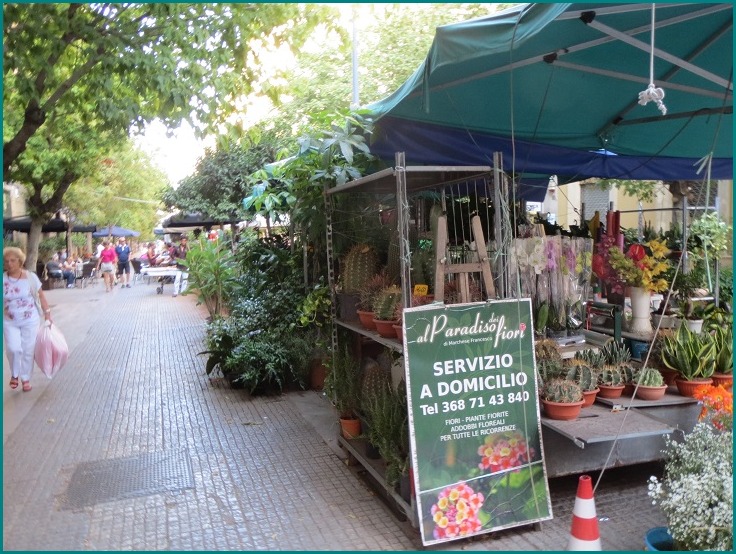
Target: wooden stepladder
x,y
462,271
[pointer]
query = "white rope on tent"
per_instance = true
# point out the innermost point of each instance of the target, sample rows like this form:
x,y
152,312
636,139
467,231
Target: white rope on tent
x,y
652,93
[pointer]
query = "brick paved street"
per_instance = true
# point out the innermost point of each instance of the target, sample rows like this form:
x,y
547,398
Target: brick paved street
x,y
132,447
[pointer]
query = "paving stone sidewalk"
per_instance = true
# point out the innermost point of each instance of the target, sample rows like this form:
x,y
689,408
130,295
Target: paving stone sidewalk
x,y
132,447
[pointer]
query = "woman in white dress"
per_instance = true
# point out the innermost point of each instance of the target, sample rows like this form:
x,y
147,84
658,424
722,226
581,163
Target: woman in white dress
x,y
23,303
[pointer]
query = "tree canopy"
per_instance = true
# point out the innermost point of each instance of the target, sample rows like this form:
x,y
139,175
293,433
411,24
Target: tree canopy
x,y
79,77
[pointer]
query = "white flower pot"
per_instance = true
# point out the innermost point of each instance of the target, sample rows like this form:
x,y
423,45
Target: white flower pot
x,y
641,323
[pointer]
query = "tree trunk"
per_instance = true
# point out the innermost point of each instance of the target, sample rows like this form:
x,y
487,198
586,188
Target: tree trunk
x,y
34,239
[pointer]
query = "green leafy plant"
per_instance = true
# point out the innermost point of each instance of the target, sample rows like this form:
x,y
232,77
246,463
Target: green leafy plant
x,y
723,344
212,273
266,363
389,429
342,384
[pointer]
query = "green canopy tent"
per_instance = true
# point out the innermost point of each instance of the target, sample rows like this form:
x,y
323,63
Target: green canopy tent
x,y
555,89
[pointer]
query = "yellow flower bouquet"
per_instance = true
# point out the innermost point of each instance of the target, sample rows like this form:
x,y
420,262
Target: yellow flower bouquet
x,y
643,265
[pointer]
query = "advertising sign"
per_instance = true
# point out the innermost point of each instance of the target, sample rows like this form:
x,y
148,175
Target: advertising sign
x,y
474,419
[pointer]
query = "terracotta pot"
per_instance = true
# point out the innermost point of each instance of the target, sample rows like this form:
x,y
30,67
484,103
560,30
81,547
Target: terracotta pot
x,y
385,328
399,330
366,320
628,389
610,391
650,393
562,410
723,379
687,388
589,397
669,375
317,374
350,427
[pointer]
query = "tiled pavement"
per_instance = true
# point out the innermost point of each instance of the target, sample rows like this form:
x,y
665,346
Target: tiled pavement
x,y
132,447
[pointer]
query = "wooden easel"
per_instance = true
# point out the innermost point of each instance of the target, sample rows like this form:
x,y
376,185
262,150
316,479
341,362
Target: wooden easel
x,y
443,268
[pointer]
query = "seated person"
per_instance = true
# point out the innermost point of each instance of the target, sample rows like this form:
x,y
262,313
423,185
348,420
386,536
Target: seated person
x,y
55,271
150,257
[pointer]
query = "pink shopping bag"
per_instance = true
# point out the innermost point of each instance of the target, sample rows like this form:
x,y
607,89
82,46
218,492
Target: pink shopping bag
x,y
51,349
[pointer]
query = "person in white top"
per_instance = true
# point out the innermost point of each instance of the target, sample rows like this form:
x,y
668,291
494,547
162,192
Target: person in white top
x,y
23,299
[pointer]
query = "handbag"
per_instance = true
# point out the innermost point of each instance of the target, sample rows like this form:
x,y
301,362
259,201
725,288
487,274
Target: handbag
x,y
52,351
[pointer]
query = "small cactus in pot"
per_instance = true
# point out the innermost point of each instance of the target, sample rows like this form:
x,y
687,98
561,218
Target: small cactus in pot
x,y
650,384
562,399
384,305
649,377
580,372
563,391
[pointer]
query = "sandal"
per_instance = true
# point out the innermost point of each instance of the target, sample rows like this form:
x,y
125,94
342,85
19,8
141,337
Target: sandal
x,y
26,386
13,382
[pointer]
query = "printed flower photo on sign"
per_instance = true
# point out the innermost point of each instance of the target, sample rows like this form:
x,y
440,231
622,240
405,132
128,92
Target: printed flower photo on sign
x,y
504,451
455,514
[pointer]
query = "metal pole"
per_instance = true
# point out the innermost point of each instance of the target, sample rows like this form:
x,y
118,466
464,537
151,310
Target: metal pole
x,y
402,206
356,100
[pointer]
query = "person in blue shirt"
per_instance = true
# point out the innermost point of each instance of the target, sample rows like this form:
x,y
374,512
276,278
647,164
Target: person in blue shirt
x,y
123,252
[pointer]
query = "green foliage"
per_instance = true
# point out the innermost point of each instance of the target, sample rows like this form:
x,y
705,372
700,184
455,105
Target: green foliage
x,y
709,232
265,362
723,344
389,429
642,190
220,179
212,273
562,390
342,384
222,336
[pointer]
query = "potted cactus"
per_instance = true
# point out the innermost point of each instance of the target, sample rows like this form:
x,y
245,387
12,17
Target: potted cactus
x,y
610,381
562,399
384,308
612,378
357,266
581,371
650,384
368,293
549,361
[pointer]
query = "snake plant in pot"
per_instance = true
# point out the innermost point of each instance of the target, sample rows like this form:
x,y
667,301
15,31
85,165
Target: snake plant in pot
x,y
693,356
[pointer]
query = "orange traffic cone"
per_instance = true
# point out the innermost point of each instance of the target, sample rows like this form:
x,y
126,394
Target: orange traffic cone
x,y
584,534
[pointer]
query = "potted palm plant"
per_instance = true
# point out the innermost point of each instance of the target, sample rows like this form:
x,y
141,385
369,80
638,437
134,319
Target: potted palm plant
x,y
692,355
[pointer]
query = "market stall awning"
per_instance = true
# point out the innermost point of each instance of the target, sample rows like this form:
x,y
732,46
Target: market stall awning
x,y
22,224
115,231
555,88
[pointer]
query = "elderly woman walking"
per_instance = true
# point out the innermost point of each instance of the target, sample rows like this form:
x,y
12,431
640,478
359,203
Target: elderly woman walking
x,y
23,303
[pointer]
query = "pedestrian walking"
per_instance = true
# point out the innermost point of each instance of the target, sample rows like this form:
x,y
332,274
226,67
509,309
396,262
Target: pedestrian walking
x,y
122,250
180,254
23,304
107,263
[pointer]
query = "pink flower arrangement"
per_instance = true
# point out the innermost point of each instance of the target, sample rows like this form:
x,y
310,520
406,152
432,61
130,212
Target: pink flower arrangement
x,y
455,514
504,451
